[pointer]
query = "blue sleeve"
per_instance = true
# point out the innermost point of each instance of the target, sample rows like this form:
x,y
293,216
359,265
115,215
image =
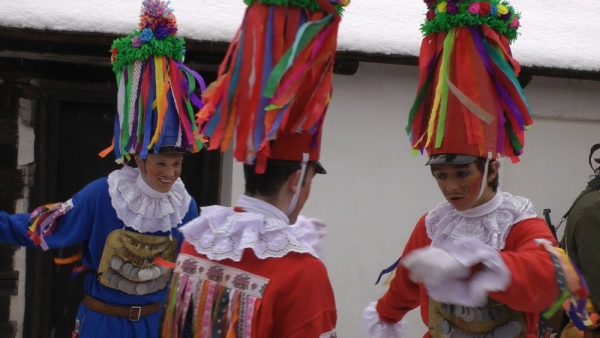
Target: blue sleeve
x,y
13,229
76,225
192,212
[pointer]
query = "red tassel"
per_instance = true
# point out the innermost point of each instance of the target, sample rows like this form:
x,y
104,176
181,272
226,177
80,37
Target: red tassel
x,y
246,94
280,25
160,261
219,132
34,237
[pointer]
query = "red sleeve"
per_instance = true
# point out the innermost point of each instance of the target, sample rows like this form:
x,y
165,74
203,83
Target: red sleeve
x,y
533,286
403,294
309,304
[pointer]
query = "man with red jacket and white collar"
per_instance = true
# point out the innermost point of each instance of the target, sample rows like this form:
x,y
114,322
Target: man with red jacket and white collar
x,y
473,264
247,271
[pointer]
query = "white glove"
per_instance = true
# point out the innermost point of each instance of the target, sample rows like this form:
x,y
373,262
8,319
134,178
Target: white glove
x,y
444,270
375,328
432,266
310,231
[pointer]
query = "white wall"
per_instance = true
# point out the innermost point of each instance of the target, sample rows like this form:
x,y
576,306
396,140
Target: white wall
x,y
375,190
25,162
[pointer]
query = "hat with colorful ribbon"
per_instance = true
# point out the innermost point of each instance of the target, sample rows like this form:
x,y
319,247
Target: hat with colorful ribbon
x,y
158,95
274,85
469,99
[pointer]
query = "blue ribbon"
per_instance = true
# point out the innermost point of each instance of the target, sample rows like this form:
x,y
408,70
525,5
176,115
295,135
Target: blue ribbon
x,y
388,270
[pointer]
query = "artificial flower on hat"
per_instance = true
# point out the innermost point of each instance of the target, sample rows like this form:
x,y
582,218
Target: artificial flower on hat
x,y
158,95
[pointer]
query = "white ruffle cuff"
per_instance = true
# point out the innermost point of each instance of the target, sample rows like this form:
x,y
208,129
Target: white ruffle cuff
x,y
375,328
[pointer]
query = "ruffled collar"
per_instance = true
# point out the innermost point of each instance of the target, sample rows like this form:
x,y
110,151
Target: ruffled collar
x,y
490,222
142,208
222,233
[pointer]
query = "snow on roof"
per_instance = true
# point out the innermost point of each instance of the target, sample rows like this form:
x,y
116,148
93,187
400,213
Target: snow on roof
x,y
553,34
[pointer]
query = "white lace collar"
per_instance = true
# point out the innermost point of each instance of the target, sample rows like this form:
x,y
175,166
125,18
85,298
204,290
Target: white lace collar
x,y
222,233
142,208
490,222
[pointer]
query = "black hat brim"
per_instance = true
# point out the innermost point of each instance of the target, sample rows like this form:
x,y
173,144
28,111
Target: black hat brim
x,y
455,159
319,169
171,149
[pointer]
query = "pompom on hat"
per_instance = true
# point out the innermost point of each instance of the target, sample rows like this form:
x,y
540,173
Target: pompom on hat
x,y
274,85
469,101
158,95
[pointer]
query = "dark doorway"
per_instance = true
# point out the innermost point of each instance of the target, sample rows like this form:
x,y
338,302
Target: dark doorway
x,y
84,128
74,124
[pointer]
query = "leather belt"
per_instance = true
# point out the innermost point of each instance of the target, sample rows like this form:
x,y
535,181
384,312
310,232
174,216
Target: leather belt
x,y
133,313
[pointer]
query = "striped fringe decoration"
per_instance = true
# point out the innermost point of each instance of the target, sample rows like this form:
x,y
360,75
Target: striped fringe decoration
x,y
206,309
276,76
474,65
211,300
150,93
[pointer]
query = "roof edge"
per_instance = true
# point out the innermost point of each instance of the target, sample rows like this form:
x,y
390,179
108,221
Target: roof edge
x,y
346,57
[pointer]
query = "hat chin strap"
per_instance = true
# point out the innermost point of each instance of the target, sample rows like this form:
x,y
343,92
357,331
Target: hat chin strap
x,y
299,184
484,178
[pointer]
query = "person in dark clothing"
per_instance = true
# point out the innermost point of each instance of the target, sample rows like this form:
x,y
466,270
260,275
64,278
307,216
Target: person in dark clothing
x,y
581,238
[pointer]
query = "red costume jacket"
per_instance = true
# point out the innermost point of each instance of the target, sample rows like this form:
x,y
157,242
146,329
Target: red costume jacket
x,y
530,266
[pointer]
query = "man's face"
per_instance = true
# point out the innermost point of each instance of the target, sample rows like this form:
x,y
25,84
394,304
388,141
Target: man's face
x,y
160,171
304,194
460,184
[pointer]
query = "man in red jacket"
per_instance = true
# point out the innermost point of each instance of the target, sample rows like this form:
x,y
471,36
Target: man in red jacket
x,y
247,271
473,263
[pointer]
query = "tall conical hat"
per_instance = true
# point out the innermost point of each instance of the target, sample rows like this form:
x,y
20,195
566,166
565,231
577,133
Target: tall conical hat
x,y
157,93
274,85
469,100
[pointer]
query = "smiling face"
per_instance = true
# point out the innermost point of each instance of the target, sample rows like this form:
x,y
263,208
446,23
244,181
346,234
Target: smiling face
x,y
460,184
160,171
